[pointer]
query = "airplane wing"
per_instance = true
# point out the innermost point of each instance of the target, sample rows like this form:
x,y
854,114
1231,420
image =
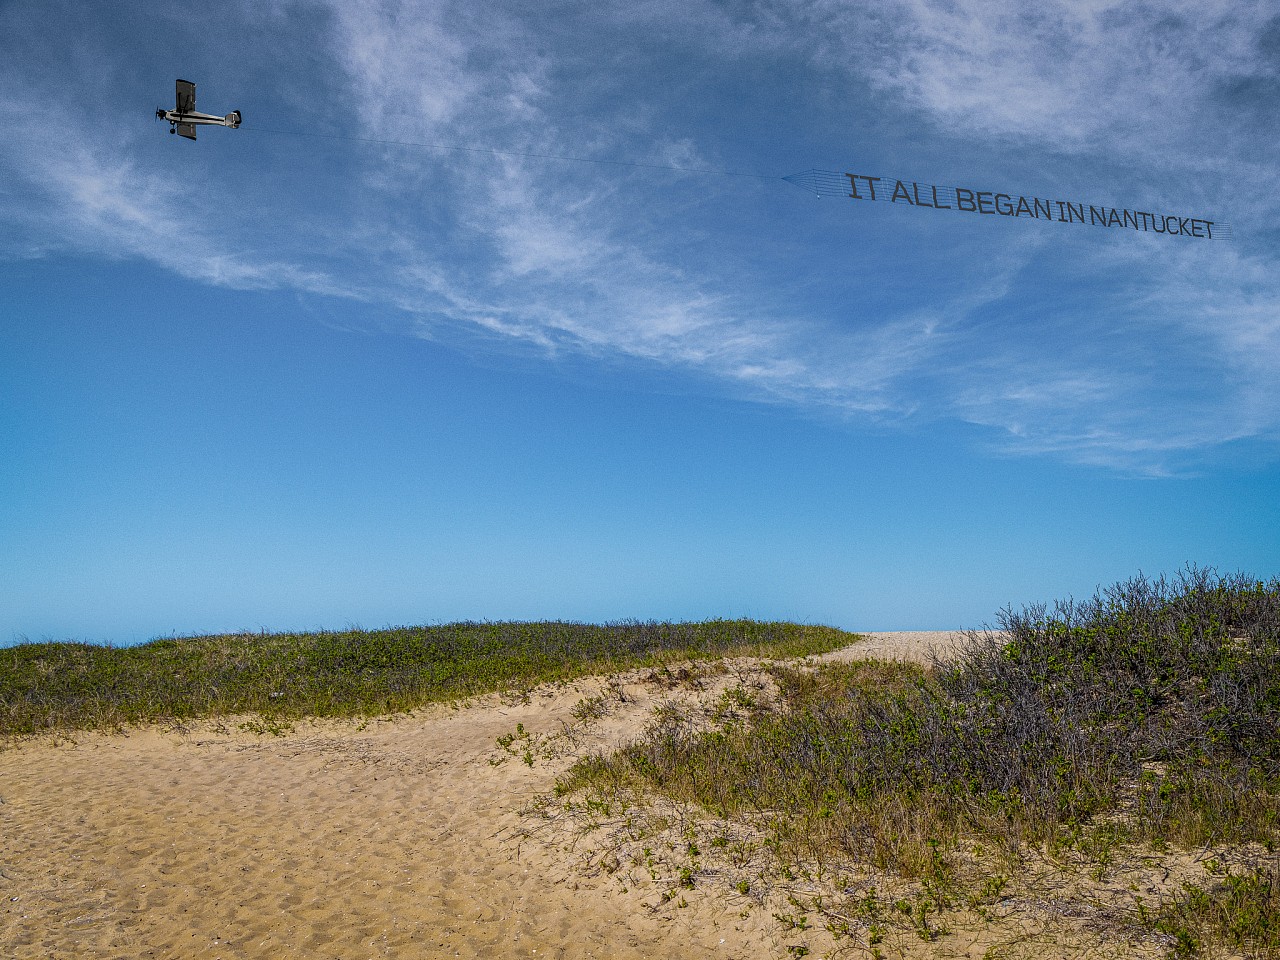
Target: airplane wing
x,y
186,99
187,130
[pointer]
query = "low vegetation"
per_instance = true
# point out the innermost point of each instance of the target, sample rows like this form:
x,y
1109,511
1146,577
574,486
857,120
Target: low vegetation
x,y
1135,734
1239,910
66,686
1149,714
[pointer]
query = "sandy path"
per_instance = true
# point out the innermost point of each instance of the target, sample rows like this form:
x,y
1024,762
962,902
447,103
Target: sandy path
x,y
399,839
911,645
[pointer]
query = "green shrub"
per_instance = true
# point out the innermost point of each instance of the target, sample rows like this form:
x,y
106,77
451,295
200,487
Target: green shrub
x,y
1157,700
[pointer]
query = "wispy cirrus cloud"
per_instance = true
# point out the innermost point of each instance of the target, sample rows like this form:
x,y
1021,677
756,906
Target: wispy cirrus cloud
x,y
107,206
1116,75
1047,340
575,263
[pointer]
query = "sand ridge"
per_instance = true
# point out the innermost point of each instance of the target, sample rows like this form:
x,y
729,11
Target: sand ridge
x,y
401,837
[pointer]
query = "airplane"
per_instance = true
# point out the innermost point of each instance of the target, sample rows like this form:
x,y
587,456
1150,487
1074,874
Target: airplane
x,y
183,120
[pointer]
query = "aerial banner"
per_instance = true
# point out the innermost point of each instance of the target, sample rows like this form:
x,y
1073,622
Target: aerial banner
x,y
957,199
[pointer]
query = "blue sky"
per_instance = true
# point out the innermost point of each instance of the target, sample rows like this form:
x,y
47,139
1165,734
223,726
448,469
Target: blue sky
x,y
298,376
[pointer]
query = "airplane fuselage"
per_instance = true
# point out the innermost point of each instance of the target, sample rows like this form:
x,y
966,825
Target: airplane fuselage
x,y
173,116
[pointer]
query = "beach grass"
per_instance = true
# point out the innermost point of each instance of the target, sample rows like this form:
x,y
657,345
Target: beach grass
x,y
284,676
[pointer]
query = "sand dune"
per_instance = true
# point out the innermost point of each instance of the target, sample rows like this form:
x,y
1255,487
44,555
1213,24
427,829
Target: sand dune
x,y
400,838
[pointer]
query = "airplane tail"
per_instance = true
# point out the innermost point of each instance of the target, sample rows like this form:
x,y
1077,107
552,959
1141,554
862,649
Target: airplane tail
x,y
232,119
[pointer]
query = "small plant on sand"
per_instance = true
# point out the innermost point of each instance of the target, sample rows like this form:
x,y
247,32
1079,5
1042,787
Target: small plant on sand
x,y
264,726
590,709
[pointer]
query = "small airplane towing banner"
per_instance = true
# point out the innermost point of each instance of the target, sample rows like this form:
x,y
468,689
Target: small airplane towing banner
x,y
184,119
858,186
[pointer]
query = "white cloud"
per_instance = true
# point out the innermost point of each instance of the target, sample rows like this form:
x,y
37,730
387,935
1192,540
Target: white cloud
x,y
1109,74
409,74
108,206
571,264
575,259
570,271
